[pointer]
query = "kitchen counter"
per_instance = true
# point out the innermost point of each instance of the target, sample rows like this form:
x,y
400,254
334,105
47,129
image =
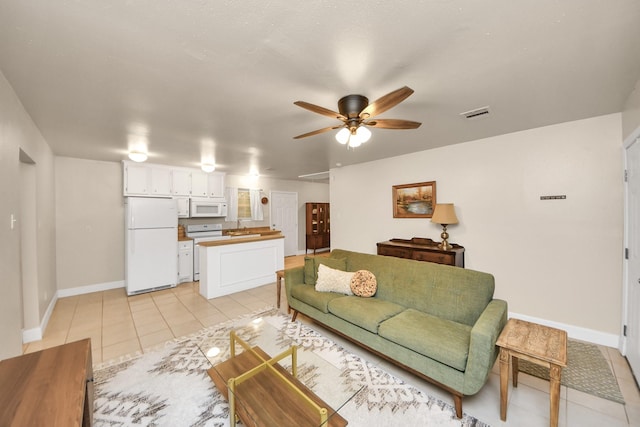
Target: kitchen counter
x,y
184,238
240,263
239,239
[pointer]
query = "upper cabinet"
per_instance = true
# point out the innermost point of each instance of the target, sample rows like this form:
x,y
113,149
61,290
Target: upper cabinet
x,y
216,184
160,181
199,186
181,182
153,180
146,180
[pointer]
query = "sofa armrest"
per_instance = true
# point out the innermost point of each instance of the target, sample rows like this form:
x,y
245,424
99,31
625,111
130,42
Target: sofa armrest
x,y
482,349
292,277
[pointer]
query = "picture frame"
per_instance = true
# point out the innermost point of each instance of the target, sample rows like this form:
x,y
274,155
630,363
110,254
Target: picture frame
x,y
414,200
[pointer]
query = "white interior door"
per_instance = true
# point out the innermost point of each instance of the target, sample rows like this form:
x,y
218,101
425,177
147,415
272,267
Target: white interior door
x,y
633,264
284,217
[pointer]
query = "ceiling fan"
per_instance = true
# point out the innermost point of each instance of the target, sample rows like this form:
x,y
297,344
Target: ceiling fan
x,y
355,113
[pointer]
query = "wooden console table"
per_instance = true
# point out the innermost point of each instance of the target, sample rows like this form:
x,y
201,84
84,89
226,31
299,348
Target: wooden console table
x,y
52,387
422,249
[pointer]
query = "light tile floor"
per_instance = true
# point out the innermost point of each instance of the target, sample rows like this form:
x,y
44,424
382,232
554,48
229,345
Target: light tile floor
x,y
120,325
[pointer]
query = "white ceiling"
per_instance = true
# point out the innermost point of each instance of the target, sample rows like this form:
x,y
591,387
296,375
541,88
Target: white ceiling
x,y
218,78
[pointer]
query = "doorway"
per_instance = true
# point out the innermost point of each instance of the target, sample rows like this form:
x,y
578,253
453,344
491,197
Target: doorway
x,y
28,249
632,273
284,217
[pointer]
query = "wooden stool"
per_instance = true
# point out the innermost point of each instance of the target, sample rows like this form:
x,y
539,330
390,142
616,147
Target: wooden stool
x,y
538,344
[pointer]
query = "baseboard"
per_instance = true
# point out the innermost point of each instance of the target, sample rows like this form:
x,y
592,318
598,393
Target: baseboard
x,y
98,287
576,332
35,334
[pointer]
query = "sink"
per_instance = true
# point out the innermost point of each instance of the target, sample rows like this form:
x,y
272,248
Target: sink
x,y
234,235
240,233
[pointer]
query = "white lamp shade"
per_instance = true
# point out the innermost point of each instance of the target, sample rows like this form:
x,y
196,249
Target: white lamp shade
x,y
343,135
138,156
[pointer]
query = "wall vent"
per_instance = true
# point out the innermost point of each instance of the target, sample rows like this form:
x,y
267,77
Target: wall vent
x,y
477,113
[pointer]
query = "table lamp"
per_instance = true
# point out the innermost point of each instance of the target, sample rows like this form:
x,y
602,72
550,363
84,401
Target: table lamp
x,y
444,214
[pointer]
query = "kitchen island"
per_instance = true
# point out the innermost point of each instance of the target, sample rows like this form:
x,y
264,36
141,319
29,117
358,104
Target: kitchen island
x,y
240,263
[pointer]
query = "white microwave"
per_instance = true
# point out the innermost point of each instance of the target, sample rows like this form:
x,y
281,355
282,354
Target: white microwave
x,y
207,208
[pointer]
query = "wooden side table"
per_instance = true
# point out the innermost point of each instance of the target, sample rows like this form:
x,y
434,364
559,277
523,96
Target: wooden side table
x,y
538,344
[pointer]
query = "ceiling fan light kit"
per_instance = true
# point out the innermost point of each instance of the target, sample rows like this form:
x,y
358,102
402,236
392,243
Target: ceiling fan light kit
x,y
356,112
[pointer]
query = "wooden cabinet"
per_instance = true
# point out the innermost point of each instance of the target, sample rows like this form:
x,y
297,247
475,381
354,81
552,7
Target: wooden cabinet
x,y
422,249
52,387
318,226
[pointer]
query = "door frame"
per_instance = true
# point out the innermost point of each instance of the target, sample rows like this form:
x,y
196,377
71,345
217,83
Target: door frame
x,y
634,137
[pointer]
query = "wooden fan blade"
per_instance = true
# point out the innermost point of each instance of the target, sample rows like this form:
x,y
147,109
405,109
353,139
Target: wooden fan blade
x,y
390,100
393,124
320,110
315,132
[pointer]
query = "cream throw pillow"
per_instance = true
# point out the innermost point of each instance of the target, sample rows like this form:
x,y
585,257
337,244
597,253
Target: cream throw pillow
x,y
331,280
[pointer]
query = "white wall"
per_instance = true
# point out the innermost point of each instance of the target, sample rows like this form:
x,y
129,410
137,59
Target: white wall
x,y
17,131
559,260
89,222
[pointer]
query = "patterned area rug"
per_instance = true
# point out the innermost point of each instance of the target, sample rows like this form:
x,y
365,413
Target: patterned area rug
x,y
170,386
587,371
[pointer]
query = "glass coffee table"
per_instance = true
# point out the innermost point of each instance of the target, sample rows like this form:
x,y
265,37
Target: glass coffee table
x,y
275,375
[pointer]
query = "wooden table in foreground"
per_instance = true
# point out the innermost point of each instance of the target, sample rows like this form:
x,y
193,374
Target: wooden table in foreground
x,y
52,387
268,396
537,344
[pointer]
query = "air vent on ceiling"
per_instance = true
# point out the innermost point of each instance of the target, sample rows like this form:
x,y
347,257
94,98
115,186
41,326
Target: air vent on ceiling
x,y
318,176
477,113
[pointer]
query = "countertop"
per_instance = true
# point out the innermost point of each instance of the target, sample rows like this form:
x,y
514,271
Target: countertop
x,y
265,236
184,238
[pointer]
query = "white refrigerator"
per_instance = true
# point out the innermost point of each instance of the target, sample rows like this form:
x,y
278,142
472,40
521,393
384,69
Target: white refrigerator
x,y
151,260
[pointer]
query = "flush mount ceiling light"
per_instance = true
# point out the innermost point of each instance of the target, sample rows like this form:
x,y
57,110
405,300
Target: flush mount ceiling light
x,y
355,113
138,156
208,167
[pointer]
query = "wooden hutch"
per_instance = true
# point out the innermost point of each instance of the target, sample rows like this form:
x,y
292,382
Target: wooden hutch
x,y
318,226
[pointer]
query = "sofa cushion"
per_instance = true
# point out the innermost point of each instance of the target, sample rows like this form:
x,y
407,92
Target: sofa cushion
x,y
308,294
366,313
332,280
434,337
311,267
451,293
363,284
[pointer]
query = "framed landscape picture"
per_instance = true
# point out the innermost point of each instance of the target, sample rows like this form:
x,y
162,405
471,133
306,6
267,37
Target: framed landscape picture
x,y
414,200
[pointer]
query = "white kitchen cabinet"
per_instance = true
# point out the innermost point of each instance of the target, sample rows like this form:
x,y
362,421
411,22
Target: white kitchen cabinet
x,y
136,181
185,261
199,184
216,184
183,207
181,182
160,180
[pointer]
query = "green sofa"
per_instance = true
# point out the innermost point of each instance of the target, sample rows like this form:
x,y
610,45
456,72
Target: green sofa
x,y
436,321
